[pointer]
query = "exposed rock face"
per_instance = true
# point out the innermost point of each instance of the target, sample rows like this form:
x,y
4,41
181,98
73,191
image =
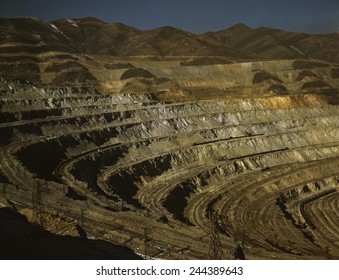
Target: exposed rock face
x,y
122,145
23,72
266,166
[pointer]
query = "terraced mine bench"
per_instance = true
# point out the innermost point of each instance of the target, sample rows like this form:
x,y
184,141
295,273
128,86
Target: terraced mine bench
x,y
117,165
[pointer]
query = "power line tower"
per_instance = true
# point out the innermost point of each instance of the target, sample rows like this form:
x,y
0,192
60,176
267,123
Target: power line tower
x,y
215,252
80,224
4,191
239,252
328,255
147,236
38,206
83,208
241,238
147,241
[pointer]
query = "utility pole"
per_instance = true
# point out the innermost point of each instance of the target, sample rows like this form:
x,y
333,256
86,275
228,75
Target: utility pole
x,y
38,206
215,251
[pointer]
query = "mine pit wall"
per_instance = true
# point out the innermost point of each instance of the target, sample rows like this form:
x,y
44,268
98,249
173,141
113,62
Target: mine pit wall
x,y
15,103
194,145
236,79
206,125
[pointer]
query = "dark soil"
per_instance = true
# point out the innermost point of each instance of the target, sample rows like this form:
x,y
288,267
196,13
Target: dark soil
x,y
114,66
305,64
305,73
135,73
264,76
314,84
205,61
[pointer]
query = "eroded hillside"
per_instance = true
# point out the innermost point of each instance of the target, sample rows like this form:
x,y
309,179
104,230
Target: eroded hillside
x,y
159,154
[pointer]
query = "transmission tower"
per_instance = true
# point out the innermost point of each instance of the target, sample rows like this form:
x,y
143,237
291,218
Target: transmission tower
x,y
239,252
38,206
215,252
241,238
83,208
4,191
147,241
328,254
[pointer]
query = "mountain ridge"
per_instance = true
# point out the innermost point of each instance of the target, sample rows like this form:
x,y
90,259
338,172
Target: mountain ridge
x,y
94,36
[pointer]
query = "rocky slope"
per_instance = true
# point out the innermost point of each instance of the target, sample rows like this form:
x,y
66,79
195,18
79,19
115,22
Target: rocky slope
x,y
91,35
144,151
125,163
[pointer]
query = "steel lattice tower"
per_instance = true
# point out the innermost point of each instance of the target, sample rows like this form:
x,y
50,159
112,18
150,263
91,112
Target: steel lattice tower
x,y
4,192
82,210
215,250
38,206
147,240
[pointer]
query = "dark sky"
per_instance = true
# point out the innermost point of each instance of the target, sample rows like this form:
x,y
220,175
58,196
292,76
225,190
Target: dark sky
x,y
311,16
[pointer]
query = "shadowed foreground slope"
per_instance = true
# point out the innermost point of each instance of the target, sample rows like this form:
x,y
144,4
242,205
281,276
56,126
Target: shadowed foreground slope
x,y
22,240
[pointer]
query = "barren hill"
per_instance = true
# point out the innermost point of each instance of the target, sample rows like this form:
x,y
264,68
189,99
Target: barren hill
x,y
269,43
91,35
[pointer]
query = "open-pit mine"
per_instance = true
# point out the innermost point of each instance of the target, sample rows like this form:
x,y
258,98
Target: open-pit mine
x,y
170,144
